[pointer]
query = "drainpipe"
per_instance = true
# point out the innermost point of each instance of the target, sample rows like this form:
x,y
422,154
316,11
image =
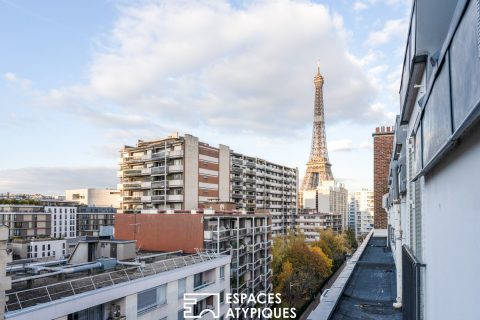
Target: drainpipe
x,y
397,236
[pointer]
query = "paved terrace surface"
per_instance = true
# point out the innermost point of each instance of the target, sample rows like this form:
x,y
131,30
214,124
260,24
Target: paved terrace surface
x,y
371,289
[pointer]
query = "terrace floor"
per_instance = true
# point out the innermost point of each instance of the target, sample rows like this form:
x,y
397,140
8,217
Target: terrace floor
x,y
371,289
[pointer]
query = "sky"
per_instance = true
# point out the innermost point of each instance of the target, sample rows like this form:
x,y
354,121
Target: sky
x,y
80,79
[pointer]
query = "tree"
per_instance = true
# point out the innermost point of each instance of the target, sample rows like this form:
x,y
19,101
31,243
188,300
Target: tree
x,y
351,240
298,268
334,246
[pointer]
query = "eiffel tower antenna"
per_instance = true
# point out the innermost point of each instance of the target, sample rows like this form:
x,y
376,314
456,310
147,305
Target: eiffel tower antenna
x,y
318,167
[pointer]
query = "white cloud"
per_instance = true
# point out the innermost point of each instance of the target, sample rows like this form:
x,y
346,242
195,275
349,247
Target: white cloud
x,y
340,145
207,64
359,6
391,29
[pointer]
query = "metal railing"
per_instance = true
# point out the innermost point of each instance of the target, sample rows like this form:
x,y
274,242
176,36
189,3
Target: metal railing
x,y
27,298
411,285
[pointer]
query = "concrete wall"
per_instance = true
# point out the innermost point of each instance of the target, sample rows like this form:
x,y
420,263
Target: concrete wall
x,y
452,226
224,173
191,173
161,232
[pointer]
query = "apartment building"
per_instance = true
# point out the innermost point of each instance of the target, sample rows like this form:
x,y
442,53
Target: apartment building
x,y
55,220
361,211
329,198
257,184
94,197
246,237
182,173
95,221
432,199
310,222
147,286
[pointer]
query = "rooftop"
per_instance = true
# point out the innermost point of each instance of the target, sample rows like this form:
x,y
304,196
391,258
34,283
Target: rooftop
x,y
366,288
49,288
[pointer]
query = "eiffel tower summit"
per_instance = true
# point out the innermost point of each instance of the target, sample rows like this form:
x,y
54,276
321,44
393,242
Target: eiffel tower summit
x,y
318,167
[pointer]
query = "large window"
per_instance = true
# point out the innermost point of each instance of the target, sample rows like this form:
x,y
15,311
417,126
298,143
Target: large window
x,y
151,298
93,313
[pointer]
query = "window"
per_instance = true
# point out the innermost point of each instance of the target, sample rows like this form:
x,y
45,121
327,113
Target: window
x,y
222,296
222,272
198,280
152,298
182,287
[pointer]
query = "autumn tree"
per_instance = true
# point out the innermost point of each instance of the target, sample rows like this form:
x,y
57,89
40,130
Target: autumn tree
x,y
299,269
334,246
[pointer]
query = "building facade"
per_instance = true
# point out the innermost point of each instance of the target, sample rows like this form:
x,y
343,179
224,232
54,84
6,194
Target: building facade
x,y
5,257
432,199
43,249
94,197
95,221
361,211
330,197
183,173
382,149
310,222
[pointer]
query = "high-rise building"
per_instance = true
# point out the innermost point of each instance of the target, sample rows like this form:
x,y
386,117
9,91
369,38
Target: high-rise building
x,y
382,149
93,197
182,173
361,211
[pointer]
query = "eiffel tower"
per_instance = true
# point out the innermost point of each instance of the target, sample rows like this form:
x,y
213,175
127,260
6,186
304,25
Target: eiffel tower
x,y
318,167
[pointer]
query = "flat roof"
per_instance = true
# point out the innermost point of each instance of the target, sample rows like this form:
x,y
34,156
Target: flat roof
x,y
371,290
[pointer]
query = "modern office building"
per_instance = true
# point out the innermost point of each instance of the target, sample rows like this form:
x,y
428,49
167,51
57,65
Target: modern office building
x,y
432,199
361,210
246,237
93,197
95,221
382,149
146,286
183,173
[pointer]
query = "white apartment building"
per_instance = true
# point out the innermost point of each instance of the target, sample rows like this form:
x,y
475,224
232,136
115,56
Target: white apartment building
x,y
94,197
125,290
63,221
432,202
329,197
361,211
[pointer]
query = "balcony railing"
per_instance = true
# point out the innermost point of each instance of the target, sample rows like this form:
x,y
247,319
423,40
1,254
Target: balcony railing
x,y
202,285
175,183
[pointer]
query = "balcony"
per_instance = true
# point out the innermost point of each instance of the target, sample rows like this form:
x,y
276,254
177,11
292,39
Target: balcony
x,y
131,185
146,198
158,184
132,199
176,154
158,170
159,155
158,198
175,168
175,198
175,183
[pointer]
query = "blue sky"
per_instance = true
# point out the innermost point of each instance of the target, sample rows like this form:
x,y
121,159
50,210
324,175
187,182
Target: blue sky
x,y
80,79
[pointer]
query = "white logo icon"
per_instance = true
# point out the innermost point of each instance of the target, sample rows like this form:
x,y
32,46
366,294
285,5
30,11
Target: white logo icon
x,y
191,299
